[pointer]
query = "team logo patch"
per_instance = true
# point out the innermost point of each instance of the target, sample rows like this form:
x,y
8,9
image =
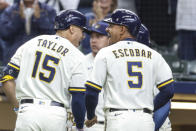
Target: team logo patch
x,y
41,102
97,26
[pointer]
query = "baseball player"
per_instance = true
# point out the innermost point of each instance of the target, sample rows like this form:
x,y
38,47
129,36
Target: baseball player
x,y
127,71
143,35
161,119
49,69
98,40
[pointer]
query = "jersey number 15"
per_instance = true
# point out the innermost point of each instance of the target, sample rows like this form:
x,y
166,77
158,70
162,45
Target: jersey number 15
x,y
45,66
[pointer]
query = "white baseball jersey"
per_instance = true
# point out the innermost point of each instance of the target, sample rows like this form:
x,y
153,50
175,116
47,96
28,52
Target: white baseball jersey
x,y
128,72
89,60
50,66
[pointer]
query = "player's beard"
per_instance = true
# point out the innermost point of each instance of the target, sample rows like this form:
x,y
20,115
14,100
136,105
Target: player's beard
x,y
109,39
113,40
110,42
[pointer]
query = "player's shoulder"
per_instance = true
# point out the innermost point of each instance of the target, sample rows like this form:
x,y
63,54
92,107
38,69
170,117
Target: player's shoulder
x,y
107,50
42,36
104,51
73,51
76,54
145,47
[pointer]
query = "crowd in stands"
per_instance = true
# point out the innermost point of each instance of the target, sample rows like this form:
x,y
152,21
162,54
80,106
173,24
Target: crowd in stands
x,y
21,20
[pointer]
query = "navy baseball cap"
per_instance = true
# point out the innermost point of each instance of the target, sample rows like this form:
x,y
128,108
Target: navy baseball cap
x,y
100,27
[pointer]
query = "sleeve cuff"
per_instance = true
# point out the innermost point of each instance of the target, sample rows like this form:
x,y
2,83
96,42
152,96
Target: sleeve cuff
x,y
93,85
14,66
165,83
6,78
77,89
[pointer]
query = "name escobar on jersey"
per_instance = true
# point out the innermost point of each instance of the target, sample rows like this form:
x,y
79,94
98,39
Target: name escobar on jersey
x,y
132,52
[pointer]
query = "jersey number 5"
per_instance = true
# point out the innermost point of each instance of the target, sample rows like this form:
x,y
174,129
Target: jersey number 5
x,y
132,73
45,66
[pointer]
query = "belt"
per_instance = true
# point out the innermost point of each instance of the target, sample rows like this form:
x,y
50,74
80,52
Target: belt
x,y
52,103
100,122
145,110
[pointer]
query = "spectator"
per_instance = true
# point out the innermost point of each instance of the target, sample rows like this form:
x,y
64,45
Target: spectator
x,y
186,27
62,4
2,48
23,21
101,9
3,6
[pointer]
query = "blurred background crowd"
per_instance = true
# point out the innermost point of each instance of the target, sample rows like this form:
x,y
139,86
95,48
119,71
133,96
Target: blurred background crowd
x,y
172,26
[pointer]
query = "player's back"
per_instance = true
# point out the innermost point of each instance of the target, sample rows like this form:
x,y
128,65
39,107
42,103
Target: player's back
x,y
131,75
46,68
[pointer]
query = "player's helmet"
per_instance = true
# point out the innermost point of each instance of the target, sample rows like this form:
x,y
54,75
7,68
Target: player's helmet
x,y
69,17
100,27
126,18
143,35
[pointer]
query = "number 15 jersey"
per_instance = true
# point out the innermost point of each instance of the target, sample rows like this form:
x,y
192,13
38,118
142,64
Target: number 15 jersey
x,y
128,71
50,67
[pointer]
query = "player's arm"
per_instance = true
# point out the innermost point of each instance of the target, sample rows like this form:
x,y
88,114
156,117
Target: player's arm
x,y
9,90
164,80
92,94
10,72
77,90
95,83
78,107
165,94
160,115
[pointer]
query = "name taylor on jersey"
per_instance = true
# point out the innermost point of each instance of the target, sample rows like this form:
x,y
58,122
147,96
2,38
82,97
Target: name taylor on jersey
x,y
131,53
53,46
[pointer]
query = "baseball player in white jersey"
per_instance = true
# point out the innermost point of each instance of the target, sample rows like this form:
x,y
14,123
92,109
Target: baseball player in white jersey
x,y
49,70
98,40
161,119
128,72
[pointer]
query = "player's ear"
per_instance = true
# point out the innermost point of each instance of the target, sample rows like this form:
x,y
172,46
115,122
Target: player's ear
x,y
122,29
71,29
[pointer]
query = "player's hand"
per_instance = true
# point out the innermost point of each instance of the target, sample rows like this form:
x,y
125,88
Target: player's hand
x,y
91,122
36,9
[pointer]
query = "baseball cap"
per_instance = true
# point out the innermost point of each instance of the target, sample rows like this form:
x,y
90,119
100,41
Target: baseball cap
x,y
100,27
